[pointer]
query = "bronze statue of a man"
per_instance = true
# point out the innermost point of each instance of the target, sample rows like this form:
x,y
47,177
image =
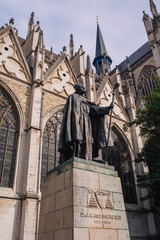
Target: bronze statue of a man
x,y
83,130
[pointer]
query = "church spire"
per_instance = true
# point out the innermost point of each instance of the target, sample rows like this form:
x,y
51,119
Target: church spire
x,y
153,8
100,53
100,46
30,24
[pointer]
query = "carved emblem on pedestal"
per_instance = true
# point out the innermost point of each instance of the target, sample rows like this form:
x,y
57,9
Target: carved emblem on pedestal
x,y
100,199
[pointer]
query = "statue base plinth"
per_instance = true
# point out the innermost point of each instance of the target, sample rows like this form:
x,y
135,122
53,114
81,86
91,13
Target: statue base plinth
x,y
82,200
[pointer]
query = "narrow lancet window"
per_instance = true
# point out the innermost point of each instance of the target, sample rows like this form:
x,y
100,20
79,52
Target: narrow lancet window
x,y
147,81
9,126
119,157
50,154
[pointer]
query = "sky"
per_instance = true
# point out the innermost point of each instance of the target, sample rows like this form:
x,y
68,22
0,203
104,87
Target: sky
x,y
120,22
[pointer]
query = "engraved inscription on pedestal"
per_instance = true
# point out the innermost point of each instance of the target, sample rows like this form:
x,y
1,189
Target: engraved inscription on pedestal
x,y
100,212
100,218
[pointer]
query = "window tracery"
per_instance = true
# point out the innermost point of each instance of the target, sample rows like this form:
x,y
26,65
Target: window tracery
x,y
50,154
119,157
9,126
147,81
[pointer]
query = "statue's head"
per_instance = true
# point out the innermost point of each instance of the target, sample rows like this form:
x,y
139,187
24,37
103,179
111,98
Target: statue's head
x,y
80,89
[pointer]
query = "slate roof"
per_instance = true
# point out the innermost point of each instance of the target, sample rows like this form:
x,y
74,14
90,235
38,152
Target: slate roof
x,y
21,40
47,52
138,54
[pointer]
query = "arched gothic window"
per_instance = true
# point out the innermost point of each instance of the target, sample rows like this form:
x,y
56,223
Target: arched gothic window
x,y
50,154
147,81
9,126
119,157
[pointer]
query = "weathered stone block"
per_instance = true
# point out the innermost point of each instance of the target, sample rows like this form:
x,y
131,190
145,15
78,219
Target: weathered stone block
x,y
47,204
59,183
118,201
82,178
80,233
64,199
30,206
123,234
65,234
103,234
68,217
54,221
42,224
58,220
68,178
9,208
110,183
51,203
49,222
53,185
48,188
80,197
46,236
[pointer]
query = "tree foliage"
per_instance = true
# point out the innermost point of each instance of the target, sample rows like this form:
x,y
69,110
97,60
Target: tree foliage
x,y
148,119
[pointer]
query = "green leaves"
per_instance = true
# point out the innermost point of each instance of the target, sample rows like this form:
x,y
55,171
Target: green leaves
x,y
148,119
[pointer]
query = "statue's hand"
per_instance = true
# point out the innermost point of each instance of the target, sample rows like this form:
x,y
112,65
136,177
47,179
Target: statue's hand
x,y
111,106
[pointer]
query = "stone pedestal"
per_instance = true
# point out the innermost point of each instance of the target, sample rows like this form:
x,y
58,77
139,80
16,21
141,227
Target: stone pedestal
x,y
82,200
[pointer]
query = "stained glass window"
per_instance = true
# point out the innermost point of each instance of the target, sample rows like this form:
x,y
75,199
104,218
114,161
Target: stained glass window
x,y
147,81
50,154
9,126
119,157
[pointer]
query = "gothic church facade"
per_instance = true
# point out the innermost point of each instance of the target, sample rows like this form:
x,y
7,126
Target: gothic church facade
x,y
34,86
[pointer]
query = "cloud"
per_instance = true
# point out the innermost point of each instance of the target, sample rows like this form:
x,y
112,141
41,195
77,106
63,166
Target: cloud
x,y
120,22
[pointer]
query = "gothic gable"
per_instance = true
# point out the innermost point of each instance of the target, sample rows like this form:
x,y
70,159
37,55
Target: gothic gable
x,y
105,99
60,78
12,60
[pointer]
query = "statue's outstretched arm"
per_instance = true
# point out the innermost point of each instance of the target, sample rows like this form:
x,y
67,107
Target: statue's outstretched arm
x,y
96,110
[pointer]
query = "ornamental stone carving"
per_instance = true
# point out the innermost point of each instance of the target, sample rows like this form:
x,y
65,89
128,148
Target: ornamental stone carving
x,y
9,60
61,81
100,199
